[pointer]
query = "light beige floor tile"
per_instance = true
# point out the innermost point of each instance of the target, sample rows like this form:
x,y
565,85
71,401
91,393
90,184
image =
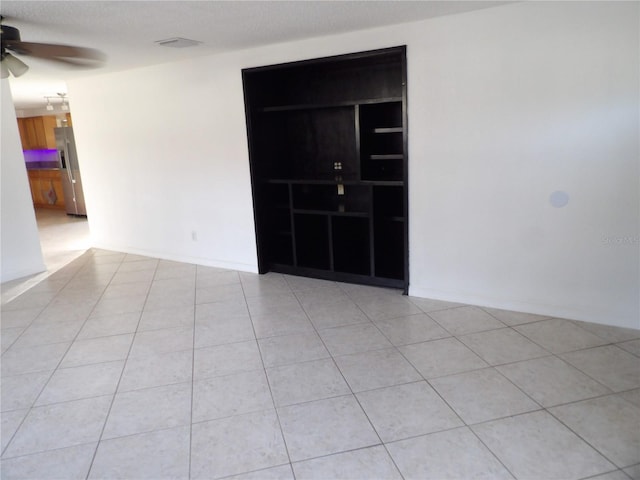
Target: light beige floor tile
x,y
223,329
273,304
226,359
365,464
514,318
375,369
9,336
609,365
429,305
20,391
283,472
19,318
427,357
551,381
610,424
41,358
60,425
559,336
632,396
105,326
353,339
632,346
235,445
219,293
387,306
336,314
230,395
465,320
43,334
610,333
155,370
217,279
408,410
81,382
71,463
289,321
149,409
483,395
163,454
303,382
324,427
319,296
502,346
633,472
287,349
162,341
172,317
412,329
9,423
536,445
97,350
439,456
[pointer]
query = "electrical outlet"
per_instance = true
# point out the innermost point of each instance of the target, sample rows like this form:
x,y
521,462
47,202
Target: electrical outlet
x,y
194,235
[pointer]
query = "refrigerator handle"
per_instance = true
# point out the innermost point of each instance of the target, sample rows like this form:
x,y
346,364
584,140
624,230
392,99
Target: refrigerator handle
x,y
61,160
70,168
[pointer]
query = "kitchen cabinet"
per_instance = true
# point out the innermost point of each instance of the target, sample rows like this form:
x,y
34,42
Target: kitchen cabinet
x,y
36,133
328,156
46,188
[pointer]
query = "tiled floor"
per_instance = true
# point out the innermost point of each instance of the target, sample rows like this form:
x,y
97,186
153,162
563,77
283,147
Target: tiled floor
x,y
120,366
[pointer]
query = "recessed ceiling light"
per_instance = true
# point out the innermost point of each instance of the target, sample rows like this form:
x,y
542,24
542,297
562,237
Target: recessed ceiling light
x,y
177,42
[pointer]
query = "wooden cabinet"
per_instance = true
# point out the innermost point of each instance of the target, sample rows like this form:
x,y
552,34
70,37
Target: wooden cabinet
x,y
46,188
37,133
328,153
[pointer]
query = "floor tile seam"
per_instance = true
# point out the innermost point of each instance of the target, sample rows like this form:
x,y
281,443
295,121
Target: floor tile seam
x,y
412,382
591,376
596,397
124,366
349,450
142,389
231,417
234,475
264,370
235,372
39,452
193,371
578,323
587,442
302,362
568,364
62,402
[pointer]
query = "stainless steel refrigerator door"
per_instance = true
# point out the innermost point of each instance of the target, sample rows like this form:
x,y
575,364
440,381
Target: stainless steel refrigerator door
x,y
70,172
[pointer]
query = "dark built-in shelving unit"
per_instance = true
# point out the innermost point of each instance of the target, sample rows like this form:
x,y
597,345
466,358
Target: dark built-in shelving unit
x,y
328,154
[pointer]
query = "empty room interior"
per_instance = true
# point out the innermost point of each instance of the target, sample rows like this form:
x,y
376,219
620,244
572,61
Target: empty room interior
x,y
320,240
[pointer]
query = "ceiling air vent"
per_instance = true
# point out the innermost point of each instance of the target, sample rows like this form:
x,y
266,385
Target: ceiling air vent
x,y
177,42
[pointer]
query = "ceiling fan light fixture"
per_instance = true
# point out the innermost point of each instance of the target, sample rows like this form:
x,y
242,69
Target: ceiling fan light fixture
x,y
49,106
13,65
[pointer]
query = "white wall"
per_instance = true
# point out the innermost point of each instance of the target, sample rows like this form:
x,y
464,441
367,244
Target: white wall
x,y
19,241
506,106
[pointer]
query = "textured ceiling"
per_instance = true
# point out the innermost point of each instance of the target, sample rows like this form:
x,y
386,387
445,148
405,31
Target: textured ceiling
x,y
126,30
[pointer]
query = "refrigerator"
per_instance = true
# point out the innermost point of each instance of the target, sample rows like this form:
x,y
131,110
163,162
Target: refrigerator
x,y
70,171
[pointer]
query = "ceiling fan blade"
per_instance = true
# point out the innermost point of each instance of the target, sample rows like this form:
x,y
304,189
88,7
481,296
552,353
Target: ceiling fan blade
x,y
79,56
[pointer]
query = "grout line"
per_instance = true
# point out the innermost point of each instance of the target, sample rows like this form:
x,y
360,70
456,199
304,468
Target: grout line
x,y
124,366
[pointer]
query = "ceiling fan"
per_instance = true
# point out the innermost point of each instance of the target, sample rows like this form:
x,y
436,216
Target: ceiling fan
x,y
67,54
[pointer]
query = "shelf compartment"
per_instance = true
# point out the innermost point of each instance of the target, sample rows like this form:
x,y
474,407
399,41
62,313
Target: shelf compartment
x,y
389,246
307,143
325,198
351,245
388,203
388,156
312,241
